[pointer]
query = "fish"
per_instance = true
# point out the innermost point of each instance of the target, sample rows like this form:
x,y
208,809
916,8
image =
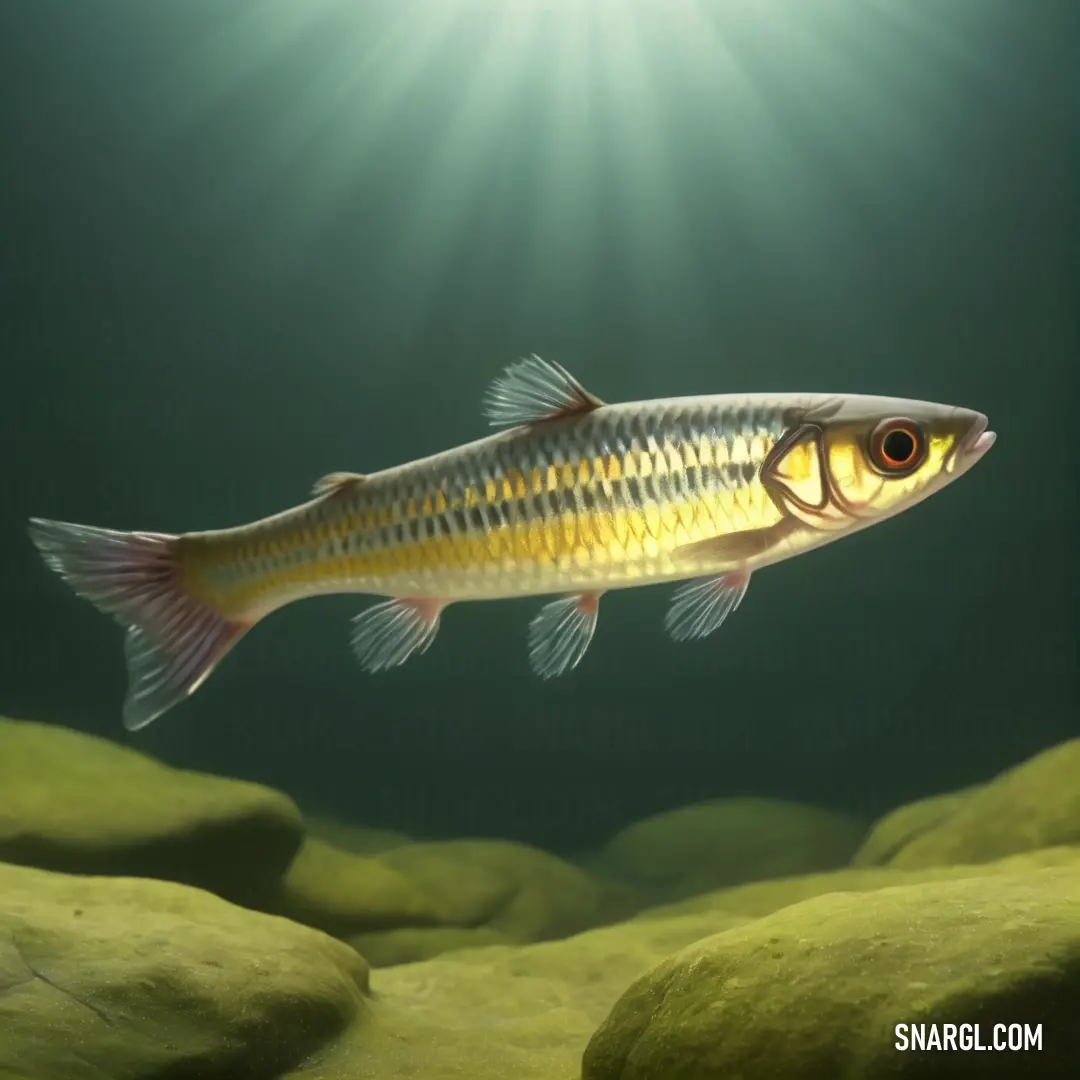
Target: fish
x,y
571,497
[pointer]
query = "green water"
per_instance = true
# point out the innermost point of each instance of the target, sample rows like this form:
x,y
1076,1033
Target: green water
x,y
246,245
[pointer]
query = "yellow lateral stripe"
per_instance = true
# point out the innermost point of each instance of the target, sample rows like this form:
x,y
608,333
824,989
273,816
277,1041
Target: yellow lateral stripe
x,y
609,534
606,537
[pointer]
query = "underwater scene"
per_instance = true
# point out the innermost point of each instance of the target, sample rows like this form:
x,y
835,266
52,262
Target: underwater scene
x,y
538,540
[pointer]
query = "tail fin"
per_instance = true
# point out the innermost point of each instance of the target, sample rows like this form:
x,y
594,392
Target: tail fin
x,y
173,638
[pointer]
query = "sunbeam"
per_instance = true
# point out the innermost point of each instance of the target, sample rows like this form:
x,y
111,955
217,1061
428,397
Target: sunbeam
x,y
553,136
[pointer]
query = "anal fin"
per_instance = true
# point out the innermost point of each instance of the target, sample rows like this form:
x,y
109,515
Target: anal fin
x,y
387,634
700,607
561,632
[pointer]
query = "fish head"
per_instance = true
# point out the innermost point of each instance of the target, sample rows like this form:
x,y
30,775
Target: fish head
x,y
851,460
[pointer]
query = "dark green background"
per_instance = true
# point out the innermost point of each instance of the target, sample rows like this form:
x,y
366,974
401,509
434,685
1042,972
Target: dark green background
x,y
229,268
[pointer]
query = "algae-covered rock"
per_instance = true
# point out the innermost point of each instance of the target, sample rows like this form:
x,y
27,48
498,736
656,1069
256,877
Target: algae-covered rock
x,y
129,978
527,1012
512,888
815,990
343,893
360,839
902,825
384,948
467,889
1034,805
417,900
81,804
727,841
503,1013
760,898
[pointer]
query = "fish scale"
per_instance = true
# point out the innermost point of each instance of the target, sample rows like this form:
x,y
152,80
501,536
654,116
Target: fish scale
x,y
572,497
606,499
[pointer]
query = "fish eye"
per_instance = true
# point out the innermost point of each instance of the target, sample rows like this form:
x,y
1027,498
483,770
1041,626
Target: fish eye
x,y
897,446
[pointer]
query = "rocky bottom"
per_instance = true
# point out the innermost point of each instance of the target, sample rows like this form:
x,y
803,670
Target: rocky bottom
x,y
925,920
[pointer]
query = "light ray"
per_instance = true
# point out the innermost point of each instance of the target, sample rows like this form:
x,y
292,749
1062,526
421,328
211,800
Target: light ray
x,y
516,146
563,232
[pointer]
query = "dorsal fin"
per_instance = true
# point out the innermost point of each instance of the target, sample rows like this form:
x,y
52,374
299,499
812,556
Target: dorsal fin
x,y
532,390
335,481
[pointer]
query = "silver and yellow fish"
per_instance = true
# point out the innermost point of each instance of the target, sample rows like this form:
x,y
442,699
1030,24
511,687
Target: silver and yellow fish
x,y
573,497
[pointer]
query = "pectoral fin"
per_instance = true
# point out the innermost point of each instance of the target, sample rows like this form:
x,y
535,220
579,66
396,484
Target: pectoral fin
x,y
738,547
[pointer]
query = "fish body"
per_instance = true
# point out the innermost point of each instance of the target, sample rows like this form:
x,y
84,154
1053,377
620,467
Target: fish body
x,y
573,496
593,501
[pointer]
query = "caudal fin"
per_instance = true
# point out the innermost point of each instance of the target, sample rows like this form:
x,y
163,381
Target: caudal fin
x,y
173,639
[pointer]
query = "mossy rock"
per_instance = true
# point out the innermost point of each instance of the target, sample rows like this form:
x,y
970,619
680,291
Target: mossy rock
x,y
519,891
385,948
344,894
359,839
759,898
727,841
416,900
528,1012
81,804
814,991
130,978
901,826
503,1012
1034,805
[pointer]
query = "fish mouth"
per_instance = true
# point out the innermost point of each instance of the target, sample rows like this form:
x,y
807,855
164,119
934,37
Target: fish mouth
x,y
971,445
977,440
